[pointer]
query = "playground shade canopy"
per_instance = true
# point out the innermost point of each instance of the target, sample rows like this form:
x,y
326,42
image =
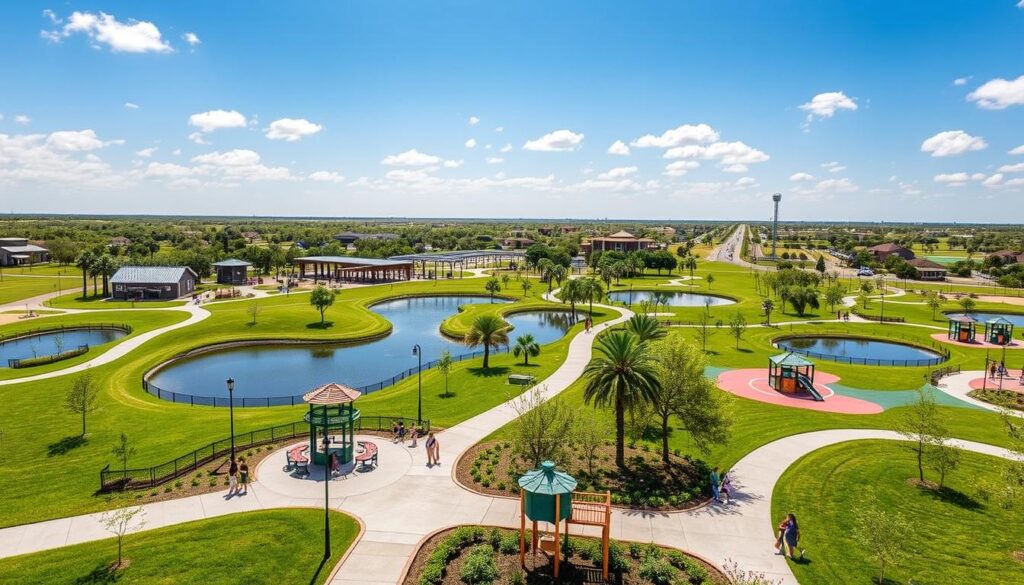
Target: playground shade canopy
x,y
790,359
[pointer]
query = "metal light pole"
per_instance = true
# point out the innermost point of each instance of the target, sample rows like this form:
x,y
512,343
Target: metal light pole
x,y
418,352
231,413
327,490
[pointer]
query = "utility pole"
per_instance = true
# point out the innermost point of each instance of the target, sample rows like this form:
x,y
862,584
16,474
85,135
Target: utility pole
x,y
775,222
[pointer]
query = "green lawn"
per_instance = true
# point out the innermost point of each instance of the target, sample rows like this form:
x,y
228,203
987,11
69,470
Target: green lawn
x,y
33,421
957,538
13,288
74,300
270,547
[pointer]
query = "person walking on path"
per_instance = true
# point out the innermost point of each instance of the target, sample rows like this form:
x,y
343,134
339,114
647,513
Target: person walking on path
x,y
725,489
430,444
716,483
232,477
243,470
789,536
401,432
414,434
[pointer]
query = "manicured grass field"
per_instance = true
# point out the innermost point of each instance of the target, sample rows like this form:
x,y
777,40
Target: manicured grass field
x,y
957,538
74,300
271,547
13,288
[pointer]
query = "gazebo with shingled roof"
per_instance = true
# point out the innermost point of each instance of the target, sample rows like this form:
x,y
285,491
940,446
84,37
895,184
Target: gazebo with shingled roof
x,y
332,413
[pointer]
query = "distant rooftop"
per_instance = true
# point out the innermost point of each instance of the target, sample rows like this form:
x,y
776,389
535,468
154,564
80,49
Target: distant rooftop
x,y
149,274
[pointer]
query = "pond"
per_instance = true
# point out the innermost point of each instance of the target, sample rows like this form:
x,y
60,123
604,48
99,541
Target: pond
x,y
262,371
1016,319
54,342
862,351
675,299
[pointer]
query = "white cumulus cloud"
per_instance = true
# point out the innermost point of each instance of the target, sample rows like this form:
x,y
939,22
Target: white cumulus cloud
x,y
22,119
131,106
825,105
191,38
76,141
952,142
145,152
1014,168
216,120
685,134
453,164
473,120
680,167
801,177
833,167
326,177
557,141
955,179
618,148
411,158
1019,149
495,160
471,143
231,158
617,173
130,36
999,94
291,129
963,80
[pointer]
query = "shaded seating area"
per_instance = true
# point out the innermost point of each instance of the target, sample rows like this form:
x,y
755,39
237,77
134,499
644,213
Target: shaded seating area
x,y
352,269
962,329
332,416
792,373
298,462
999,331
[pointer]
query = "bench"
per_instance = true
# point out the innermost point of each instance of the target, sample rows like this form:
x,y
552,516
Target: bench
x,y
520,379
297,459
368,458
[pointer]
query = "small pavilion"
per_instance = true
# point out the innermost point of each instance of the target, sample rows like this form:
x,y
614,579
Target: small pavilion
x,y
546,495
232,271
962,328
332,414
784,371
999,331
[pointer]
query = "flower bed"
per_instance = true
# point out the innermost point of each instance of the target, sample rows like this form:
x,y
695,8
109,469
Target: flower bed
x,y
1012,399
492,468
475,555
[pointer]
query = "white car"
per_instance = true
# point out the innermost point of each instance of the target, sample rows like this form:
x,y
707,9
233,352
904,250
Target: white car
x,y
865,272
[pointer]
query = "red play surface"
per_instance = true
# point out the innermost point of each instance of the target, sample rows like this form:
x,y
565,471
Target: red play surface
x,y
752,383
1009,383
978,343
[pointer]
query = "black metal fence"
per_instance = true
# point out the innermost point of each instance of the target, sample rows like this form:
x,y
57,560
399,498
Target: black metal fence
x,y
868,361
268,401
935,375
15,363
62,329
145,477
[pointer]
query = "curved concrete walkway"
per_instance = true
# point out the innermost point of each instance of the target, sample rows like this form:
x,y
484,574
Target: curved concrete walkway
x,y
197,314
958,386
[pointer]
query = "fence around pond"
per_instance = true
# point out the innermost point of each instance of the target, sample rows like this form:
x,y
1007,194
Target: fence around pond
x,y
15,363
146,477
267,401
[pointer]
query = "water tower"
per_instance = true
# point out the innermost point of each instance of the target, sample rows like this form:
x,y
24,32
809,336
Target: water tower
x,y
775,222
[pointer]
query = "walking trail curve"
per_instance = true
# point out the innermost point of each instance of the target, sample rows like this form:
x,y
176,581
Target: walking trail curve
x,y
400,509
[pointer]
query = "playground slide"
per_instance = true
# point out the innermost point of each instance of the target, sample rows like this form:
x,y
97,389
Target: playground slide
x,y
806,386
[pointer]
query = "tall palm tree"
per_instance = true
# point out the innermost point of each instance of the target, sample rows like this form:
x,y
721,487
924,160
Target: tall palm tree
x,y
84,263
106,265
621,374
546,269
645,327
488,331
592,289
573,292
526,346
660,298
690,263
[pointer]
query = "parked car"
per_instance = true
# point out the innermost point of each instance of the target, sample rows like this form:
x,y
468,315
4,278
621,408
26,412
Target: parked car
x,y
865,272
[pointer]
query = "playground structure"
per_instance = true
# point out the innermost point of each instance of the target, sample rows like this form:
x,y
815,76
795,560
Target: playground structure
x,y
792,373
999,331
332,417
547,496
962,329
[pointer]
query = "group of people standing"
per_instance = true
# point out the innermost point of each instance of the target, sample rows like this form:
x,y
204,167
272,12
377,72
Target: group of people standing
x,y
721,486
433,447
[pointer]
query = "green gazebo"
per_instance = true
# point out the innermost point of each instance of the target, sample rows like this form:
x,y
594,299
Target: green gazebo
x,y
546,496
784,371
962,329
332,414
999,331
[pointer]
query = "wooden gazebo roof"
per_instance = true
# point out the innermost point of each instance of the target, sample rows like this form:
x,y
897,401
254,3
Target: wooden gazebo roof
x,y
332,393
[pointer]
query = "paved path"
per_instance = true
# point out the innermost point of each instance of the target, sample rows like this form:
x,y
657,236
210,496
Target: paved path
x,y
958,385
197,314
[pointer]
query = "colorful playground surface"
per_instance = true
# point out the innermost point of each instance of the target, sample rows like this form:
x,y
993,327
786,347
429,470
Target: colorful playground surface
x,y
1007,383
753,383
977,343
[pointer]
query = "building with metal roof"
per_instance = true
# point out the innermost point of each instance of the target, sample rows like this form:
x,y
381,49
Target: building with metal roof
x,y
16,251
232,271
153,282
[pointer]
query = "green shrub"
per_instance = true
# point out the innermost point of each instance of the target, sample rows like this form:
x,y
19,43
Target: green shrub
x,y
517,578
657,570
635,550
509,543
432,573
479,567
494,538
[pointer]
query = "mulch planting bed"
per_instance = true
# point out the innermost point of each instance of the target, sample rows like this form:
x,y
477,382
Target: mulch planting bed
x,y
443,560
1007,398
492,468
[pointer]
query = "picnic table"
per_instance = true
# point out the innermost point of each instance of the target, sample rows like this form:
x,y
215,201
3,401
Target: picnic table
x,y
368,457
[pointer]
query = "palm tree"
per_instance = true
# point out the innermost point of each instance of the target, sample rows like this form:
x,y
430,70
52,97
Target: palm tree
x,y
546,269
488,331
526,346
558,273
690,263
592,289
645,327
621,375
767,306
84,263
801,297
660,298
106,266
573,292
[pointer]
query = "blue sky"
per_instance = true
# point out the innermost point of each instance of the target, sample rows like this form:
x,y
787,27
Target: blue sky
x,y
868,110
